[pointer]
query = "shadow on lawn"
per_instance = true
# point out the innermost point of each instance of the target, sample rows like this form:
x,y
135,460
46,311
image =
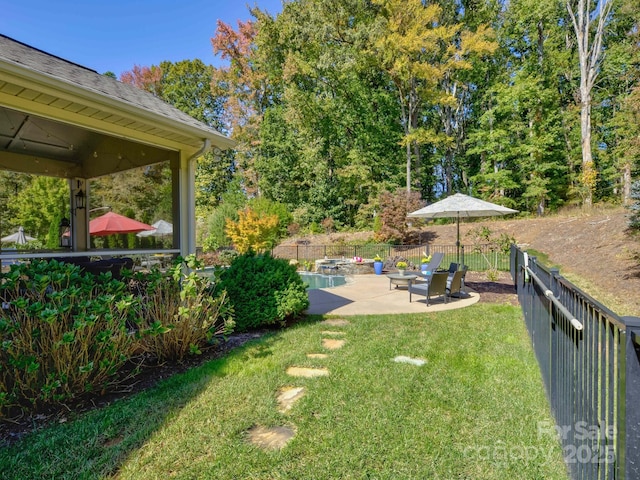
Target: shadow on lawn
x,y
101,440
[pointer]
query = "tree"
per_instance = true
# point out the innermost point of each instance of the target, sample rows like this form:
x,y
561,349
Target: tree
x,y
252,232
423,54
590,52
148,79
395,208
243,90
634,217
41,203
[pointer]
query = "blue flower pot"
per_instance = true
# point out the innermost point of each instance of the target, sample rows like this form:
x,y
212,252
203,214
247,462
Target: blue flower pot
x,y
377,267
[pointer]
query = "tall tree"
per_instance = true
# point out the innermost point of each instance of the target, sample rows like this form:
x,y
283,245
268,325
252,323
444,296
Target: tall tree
x,y
424,53
589,39
246,94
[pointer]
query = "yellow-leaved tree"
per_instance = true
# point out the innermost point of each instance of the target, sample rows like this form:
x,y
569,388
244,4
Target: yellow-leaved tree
x,y
252,232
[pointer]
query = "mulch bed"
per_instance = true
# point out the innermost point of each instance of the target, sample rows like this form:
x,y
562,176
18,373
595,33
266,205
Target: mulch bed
x,y
501,290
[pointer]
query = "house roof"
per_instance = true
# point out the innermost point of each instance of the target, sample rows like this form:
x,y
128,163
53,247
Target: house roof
x,y
51,105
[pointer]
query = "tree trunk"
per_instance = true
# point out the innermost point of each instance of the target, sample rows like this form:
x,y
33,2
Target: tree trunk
x,y
626,184
589,55
588,171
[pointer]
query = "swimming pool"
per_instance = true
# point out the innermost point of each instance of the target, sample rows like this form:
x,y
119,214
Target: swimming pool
x,y
313,280
317,280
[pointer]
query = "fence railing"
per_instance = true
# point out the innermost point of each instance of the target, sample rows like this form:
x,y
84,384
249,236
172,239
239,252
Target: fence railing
x,y
590,363
478,258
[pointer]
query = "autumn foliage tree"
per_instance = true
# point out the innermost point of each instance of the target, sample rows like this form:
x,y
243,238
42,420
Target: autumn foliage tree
x,y
395,208
252,231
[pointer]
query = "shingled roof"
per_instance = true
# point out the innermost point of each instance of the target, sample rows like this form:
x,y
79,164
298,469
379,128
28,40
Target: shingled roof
x,y
79,78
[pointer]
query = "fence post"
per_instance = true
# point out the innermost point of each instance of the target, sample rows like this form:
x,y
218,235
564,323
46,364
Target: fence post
x,y
628,394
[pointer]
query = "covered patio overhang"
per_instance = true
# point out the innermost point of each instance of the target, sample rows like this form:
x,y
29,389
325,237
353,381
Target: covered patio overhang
x,y
62,120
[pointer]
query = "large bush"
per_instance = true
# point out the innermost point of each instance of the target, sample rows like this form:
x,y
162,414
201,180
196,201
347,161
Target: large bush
x,y
263,290
62,333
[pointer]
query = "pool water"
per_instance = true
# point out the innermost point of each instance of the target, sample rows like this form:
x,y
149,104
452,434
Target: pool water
x,y
313,280
317,280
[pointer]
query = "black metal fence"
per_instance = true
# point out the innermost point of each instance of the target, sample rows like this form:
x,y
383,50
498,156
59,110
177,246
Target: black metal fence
x,y
479,258
590,363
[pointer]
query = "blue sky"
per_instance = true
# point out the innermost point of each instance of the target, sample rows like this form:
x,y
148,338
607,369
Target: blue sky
x,y
115,35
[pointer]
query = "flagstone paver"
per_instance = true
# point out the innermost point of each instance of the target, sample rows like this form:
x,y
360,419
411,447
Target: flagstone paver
x,y
288,396
270,438
332,343
331,332
307,372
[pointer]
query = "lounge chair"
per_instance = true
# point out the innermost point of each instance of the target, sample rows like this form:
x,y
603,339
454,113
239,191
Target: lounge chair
x,y
436,286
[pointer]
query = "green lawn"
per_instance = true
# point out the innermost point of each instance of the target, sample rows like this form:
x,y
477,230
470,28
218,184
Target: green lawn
x,y
472,411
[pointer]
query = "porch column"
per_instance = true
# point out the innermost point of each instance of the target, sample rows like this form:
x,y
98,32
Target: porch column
x,y
79,216
185,205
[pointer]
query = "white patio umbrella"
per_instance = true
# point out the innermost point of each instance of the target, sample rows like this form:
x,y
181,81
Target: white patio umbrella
x,y
19,237
459,205
160,228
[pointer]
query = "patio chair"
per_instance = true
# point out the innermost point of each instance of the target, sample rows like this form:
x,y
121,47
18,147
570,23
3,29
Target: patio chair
x,y
432,266
455,282
435,287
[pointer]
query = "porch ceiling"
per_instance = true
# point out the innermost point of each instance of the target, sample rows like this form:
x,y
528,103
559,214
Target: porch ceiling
x,y
61,119
33,144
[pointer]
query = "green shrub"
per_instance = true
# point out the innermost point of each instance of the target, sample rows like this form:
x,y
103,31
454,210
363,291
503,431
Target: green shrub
x,y
62,333
263,290
179,313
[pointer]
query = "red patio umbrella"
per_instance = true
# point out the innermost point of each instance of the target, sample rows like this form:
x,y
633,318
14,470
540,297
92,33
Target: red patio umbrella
x,y
111,223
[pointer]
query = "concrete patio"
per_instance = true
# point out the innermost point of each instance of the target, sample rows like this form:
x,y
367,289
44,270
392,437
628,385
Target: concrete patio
x,y
370,295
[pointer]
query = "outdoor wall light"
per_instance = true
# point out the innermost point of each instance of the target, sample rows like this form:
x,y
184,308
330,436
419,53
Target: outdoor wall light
x,y
81,200
64,233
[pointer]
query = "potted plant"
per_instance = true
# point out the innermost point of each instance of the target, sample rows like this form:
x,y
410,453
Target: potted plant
x,y
424,263
401,266
377,265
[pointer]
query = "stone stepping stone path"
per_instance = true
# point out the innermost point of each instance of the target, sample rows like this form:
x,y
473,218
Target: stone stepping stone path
x,y
288,396
332,343
270,438
307,372
275,438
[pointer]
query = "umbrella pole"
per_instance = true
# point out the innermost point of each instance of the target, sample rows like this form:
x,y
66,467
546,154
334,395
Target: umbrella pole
x,y
458,237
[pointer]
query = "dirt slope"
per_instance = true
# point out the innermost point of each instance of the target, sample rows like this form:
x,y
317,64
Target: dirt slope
x,y
595,246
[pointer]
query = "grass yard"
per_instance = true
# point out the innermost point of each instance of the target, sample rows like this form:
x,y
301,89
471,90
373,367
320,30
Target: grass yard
x,y
471,412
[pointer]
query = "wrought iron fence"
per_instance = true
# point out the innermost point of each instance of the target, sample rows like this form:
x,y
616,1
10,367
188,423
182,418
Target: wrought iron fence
x,y
479,258
590,363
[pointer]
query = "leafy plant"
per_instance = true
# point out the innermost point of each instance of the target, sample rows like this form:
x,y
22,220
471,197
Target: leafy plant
x,y
401,265
179,314
263,290
62,333
426,259
501,244
252,231
377,258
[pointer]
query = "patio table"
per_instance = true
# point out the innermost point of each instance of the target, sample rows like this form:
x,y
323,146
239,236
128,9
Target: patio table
x,y
400,280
